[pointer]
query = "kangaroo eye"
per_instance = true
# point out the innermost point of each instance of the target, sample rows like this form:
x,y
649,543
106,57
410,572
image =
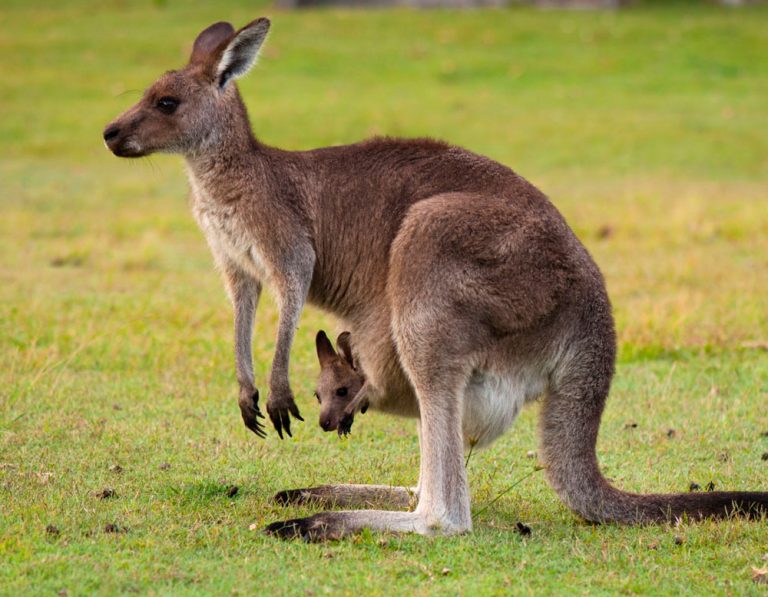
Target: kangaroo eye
x,y
341,392
318,397
167,104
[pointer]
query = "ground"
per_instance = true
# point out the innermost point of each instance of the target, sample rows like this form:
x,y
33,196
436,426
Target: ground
x,y
647,129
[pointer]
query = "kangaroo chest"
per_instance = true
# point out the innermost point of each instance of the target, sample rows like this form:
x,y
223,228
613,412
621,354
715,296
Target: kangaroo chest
x,y
228,237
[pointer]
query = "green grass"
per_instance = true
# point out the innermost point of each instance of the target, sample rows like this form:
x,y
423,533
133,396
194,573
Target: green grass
x,y
647,128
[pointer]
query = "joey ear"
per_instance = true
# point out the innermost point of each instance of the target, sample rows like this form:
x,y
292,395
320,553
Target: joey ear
x,y
324,347
209,40
345,349
240,53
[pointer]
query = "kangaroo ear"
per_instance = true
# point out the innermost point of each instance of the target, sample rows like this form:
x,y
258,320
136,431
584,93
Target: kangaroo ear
x,y
324,347
240,53
345,350
210,40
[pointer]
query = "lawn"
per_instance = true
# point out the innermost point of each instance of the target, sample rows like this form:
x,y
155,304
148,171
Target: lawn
x,y
647,127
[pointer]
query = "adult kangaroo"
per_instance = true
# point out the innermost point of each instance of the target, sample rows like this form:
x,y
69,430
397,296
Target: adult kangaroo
x,y
465,292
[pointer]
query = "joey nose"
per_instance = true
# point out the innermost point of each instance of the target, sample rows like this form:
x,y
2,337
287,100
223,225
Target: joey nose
x,y
110,133
326,424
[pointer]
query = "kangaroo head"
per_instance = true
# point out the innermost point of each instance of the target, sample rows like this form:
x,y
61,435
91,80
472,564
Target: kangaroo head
x,y
193,109
338,383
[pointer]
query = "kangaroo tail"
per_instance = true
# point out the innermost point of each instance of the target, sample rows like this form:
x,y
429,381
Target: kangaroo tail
x,y
569,425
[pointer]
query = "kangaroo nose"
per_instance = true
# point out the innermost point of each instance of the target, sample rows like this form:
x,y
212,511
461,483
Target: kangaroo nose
x,y
326,424
111,132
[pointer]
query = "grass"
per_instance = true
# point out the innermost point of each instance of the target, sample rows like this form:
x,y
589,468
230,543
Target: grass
x,y
647,128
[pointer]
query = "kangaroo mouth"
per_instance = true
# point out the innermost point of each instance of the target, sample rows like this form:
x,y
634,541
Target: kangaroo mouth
x,y
122,142
126,148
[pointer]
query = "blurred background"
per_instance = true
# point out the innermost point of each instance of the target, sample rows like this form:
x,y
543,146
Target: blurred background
x,y
645,124
644,121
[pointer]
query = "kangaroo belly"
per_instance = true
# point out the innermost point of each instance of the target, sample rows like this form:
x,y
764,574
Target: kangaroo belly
x,y
493,401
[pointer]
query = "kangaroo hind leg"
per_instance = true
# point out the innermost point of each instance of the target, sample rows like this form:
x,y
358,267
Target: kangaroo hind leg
x,y
443,500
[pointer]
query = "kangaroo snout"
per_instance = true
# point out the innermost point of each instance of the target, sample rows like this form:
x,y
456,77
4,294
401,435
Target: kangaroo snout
x,y
111,132
119,141
112,137
327,424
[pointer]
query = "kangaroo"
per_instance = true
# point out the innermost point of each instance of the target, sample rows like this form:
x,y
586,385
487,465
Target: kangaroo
x,y
342,389
465,291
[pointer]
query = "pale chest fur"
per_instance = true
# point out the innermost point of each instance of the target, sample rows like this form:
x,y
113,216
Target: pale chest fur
x,y
228,237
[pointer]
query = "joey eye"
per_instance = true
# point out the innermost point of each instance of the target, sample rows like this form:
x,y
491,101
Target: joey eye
x,y
341,392
167,104
318,397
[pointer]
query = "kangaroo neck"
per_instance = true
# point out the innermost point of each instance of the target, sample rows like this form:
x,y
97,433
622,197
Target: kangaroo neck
x,y
228,170
230,161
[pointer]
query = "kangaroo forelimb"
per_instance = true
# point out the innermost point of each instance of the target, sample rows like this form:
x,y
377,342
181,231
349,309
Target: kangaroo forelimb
x,y
245,291
281,403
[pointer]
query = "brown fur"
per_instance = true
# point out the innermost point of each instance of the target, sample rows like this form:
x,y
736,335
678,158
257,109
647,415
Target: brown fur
x,y
341,387
465,291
